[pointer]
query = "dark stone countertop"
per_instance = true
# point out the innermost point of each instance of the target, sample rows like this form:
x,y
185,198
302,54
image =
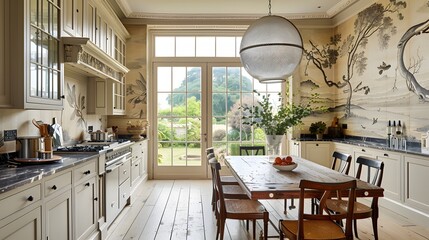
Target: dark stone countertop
x,y
376,143
13,177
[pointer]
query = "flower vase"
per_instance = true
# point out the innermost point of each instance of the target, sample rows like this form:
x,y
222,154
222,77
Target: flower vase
x,y
273,145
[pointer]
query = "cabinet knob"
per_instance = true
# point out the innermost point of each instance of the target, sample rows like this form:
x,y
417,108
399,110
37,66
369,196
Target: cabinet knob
x,y
363,150
112,204
96,199
136,165
317,144
125,171
87,172
386,155
54,187
87,184
77,10
30,198
62,96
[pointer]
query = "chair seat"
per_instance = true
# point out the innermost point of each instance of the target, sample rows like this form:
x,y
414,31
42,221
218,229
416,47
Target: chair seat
x,y
359,211
234,191
313,229
228,180
235,208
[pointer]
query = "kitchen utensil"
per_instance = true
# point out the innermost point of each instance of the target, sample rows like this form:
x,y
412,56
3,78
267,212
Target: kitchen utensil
x,y
99,136
29,146
57,134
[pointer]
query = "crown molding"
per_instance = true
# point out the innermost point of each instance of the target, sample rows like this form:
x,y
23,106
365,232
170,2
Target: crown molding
x,y
339,13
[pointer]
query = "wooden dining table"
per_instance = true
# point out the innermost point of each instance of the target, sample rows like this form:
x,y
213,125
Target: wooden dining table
x,y
260,180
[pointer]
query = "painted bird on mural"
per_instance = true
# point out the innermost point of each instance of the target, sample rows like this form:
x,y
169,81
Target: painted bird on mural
x,y
383,67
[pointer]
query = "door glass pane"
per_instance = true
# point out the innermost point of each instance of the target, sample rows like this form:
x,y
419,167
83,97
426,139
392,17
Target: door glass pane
x,y
219,79
164,79
228,130
181,129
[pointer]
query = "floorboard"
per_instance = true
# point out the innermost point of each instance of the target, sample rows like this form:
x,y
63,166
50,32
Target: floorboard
x,y
181,210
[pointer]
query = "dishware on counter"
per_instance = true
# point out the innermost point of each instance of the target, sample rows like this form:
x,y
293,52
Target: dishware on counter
x,y
100,136
35,147
285,168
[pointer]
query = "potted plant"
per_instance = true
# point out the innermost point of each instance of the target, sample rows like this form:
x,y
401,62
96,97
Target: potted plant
x,y
318,128
276,121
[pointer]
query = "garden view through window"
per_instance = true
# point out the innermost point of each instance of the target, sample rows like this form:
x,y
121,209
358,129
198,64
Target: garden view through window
x,y
189,96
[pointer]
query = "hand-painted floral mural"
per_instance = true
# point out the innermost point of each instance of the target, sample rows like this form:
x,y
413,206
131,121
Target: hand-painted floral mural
x,y
375,62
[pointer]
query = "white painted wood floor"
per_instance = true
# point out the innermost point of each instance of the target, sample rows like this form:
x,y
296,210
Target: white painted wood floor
x,y
181,209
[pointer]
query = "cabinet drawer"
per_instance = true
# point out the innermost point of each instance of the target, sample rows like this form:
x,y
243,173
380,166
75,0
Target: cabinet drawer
x,y
57,184
84,172
19,200
124,171
124,193
135,170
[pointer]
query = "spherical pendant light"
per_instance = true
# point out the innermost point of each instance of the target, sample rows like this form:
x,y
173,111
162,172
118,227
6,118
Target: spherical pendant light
x,y
271,49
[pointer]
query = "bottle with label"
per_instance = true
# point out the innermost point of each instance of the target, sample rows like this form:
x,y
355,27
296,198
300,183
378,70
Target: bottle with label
x,y
389,134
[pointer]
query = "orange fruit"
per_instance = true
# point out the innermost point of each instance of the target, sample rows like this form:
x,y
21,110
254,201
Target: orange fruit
x,y
278,160
288,159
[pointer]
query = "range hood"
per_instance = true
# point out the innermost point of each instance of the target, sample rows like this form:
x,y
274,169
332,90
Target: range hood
x,y
89,60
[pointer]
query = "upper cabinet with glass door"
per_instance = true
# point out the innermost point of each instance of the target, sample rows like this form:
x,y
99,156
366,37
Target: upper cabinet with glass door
x,y
32,40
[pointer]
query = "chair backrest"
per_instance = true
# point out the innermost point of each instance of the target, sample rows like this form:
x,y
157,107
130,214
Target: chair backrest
x,y
370,163
215,166
341,162
329,190
209,150
252,150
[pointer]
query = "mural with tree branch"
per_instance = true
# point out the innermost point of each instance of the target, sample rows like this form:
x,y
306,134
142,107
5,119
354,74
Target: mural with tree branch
x,y
373,20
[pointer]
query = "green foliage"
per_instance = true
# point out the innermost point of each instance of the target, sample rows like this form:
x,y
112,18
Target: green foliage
x,y
317,127
276,121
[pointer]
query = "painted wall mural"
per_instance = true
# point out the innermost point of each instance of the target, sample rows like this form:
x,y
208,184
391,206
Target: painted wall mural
x,y
412,83
375,20
137,97
77,103
375,63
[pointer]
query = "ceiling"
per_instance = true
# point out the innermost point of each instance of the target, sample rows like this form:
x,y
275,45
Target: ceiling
x,y
234,11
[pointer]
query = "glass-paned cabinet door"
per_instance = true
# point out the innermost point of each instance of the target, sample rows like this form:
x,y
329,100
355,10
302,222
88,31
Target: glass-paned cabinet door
x,y
45,75
119,96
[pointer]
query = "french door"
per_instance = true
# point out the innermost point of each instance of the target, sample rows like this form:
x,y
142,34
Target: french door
x,y
180,121
197,106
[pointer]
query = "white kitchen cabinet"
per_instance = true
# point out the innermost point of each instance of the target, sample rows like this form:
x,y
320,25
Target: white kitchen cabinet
x,y
21,214
5,90
90,20
139,163
106,96
73,17
27,226
416,180
318,152
32,50
58,206
392,174
85,204
58,218
295,148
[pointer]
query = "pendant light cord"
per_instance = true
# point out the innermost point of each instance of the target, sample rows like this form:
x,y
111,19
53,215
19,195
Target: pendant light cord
x,y
269,7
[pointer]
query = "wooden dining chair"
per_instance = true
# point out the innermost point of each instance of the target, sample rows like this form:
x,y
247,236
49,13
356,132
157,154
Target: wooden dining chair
x,y
225,180
323,224
240,209
252,150
374,175
340,162
230,191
